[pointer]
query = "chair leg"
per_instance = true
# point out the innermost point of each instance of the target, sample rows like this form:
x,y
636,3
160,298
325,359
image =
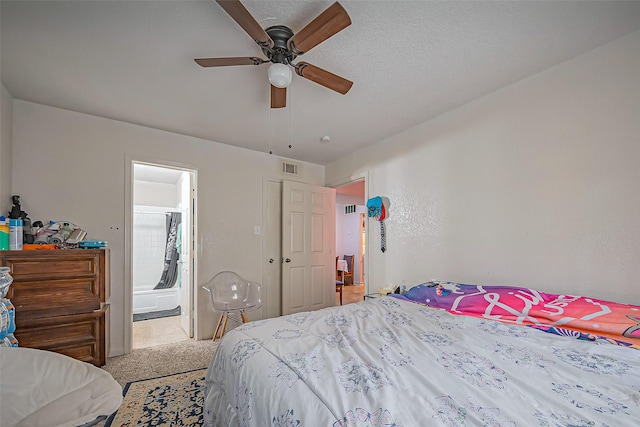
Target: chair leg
x,y
224,325
244,317
215,334
340,291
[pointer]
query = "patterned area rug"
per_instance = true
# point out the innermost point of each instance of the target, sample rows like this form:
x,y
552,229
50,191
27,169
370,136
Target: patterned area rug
x,y
173,400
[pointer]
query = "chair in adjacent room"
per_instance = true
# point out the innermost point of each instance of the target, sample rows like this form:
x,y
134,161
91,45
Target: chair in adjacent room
x,y
231,294
348,275
339,280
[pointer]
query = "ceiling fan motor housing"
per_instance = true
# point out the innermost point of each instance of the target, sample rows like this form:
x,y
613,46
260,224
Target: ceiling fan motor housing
x,y
279,53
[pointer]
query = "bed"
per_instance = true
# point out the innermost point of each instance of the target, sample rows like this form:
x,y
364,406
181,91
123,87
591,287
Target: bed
x,y
434,357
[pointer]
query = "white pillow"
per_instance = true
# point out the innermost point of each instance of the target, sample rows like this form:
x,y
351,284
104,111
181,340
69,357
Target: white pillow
x,y
43,388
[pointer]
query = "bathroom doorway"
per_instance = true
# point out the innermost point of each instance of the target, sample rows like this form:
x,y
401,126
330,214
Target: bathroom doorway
x,y
161,254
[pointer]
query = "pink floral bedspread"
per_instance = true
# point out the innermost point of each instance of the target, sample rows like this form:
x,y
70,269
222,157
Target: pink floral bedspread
x,y
618,323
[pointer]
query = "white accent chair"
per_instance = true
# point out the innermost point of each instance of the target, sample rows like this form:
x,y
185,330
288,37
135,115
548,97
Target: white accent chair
x,y
230,293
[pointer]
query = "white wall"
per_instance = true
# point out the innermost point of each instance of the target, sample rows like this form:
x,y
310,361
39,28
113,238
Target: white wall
x,y
536,185
6,136
73,166
156,194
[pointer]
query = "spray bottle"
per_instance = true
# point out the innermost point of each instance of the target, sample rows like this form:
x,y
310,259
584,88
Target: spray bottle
x,y
4,234
15,234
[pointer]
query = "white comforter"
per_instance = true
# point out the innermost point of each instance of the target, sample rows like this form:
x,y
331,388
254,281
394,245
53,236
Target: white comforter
x,y
387,362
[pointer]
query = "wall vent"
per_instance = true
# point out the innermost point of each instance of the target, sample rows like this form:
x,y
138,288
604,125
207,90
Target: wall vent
x,y
349,209
289,168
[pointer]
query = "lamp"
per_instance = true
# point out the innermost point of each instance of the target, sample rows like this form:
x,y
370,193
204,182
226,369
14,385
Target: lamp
x,y
279,75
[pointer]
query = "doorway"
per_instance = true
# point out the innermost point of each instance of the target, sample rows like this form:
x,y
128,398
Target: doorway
x,y
161,254
351,234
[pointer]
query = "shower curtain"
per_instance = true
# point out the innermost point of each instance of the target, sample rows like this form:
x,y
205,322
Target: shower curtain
x,y
170,269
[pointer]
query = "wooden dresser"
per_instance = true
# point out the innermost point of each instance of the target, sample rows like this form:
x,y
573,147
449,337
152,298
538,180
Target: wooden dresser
x,y
60,299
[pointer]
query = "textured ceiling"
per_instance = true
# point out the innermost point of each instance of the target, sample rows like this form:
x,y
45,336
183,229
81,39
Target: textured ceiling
x,y
409,60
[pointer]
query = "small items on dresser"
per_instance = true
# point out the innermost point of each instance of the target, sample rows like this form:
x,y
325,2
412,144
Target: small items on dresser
x,y
18,233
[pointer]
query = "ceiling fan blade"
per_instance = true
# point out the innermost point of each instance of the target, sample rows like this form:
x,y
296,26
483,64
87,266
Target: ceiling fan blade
x,y
325,25
323,77
241,15
278,97
223,62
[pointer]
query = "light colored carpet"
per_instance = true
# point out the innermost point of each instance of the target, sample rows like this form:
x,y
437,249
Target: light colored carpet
x,y
161,360
153,332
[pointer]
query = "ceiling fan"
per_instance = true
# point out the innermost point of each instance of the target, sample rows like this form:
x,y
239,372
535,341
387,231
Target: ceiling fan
x,y
281,46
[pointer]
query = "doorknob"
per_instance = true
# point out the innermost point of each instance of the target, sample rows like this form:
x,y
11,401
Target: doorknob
x,y
287,260
270,260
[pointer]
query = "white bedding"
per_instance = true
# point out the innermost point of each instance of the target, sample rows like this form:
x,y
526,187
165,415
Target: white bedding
x,y
388,362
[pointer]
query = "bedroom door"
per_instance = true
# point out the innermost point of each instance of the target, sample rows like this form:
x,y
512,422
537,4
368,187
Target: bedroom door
x,y
308,247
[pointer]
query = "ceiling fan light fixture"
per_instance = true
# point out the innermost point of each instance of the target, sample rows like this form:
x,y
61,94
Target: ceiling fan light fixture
x,y
280,75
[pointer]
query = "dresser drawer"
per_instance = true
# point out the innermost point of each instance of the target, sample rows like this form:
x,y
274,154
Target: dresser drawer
x,y
81,336
54,297
52,264
59,271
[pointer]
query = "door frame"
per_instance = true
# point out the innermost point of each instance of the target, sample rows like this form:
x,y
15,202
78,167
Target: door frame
x,y
128,239
187,236
350,179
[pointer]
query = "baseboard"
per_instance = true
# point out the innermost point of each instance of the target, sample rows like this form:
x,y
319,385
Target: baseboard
x,y
116,352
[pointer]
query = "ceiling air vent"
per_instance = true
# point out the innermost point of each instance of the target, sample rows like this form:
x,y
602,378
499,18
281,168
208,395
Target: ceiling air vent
x,y
289,168
349,209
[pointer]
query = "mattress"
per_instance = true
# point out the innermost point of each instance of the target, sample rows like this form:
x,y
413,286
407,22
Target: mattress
x,y
393,362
